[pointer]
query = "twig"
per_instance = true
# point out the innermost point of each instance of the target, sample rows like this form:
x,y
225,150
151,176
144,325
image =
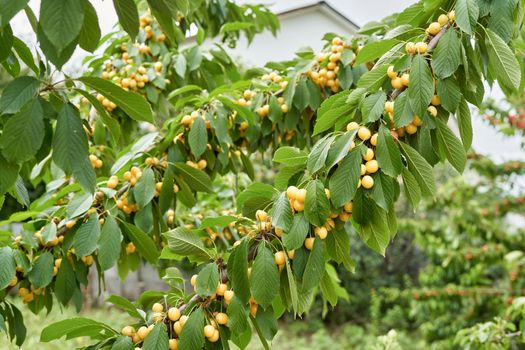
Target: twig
x,y
432,43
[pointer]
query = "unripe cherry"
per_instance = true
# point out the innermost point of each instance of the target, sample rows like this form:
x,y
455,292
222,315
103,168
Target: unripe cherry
x,y
209,330
193,280
369,155
443,19
261,215
221,318
221,289
157,307
280,258
174,314
128,331
367,182
434,28
432,110
309,243
372,166
373,139
405,79
411,129
364,133
228,296
392,74
421,47
396,83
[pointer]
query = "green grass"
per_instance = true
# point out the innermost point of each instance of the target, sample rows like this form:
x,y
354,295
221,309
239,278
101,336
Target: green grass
x,y
36,323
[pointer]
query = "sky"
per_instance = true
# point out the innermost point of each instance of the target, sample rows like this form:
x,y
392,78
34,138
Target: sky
x,y
486,140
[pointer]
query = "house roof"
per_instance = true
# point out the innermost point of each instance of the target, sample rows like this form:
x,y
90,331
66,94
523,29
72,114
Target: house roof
x,y
323,6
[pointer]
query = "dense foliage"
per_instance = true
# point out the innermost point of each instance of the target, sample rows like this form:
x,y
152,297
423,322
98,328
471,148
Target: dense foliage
x,y
111,155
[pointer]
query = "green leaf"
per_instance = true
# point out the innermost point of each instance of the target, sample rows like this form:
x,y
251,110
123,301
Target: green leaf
x,y
23,133
242,111
338,247
194,58
373,106
192,335
319,153
125,305
183,90
24,53
282,215
383,190
446,57
467,12
420,168
302,95
374,79
412,190
163,13
79,205
145,245
111,123
157,339
403,114
58,58
316,204
130,102
331,110
290,156
376,233
75,327
264,278
198,137
7,267
374,50
9,9
421,88
42,272
464,124
128,16
503,61
18,329
61,21
70,147
256,196
221,221
17,93
86,237
238,316
66,282
314,269
340,148
387,153
500,20
185,242
123,343
449,94
109,243
197,179
8,175
453,148
90,31
6,43
207,280
238,271
343,182
144,190
295,236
